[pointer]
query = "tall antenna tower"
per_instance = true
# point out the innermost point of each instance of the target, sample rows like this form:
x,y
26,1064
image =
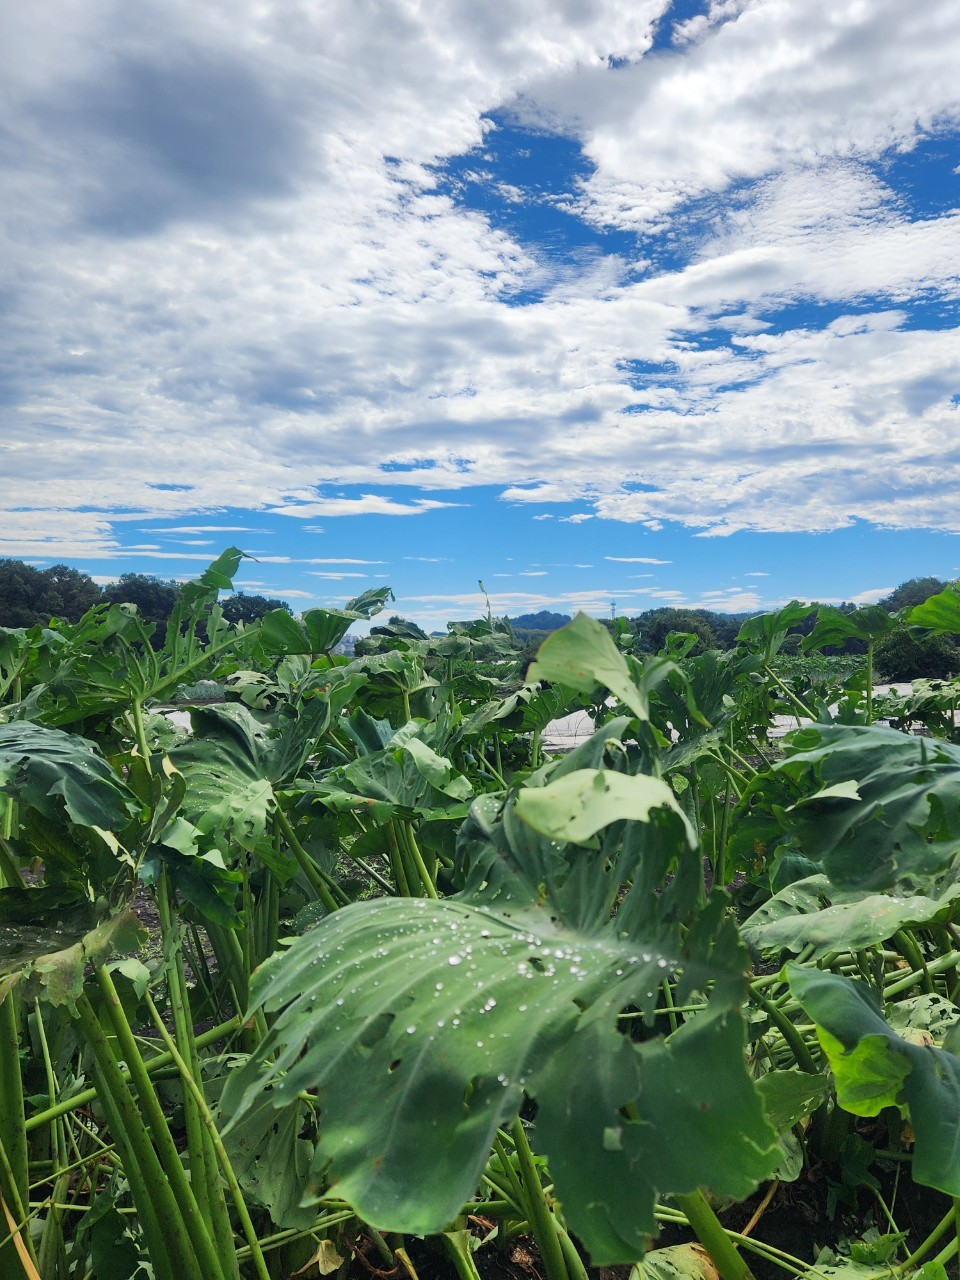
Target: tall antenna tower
x,y
613,610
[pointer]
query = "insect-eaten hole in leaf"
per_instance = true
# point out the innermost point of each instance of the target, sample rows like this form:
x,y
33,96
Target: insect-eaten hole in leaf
x,y
394,1064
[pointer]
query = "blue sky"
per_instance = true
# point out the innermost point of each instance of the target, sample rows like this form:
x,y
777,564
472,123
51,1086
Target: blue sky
x,y
633,301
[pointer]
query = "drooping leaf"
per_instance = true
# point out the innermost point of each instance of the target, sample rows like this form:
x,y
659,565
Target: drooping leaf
x,y
791,1096
870,1057
48,768
580,804
49,958
676,1262
272,1161
581,656
813,912
872,806
410,1016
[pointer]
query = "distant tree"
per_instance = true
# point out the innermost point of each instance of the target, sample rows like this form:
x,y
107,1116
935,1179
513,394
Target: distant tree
x,y
72,592
656,624
21,591
898,656
912,592
244,608
29,595
153,597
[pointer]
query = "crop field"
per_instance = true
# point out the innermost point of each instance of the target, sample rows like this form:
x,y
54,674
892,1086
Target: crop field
x,y
342,972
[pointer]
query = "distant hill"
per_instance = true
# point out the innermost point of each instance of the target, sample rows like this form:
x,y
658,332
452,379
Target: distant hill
x,y
545,620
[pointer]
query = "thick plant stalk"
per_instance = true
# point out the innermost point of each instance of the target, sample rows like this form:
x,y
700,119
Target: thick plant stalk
x,y
405,832
204,1177
162,1067
13,1134
542,1221
189,1210
236,1191
712,1236
306,864
51,1254
127,1146
172,1251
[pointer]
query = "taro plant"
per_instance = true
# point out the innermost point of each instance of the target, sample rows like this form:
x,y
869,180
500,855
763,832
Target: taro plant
x,y
534,990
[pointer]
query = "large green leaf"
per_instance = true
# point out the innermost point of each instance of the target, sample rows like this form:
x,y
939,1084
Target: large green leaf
x,y
767,632
875,1067
834,626
582,655
319,630
234,764
422,1024
60,774
939,613
871,805
814,912
580,804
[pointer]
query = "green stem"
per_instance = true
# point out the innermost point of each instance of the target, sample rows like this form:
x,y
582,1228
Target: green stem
x,y
712,1236
13,1134
936,1234
870,682
396,861
425,877
542,1221
571,1255
155,1067
172,1250
140,731
911,952
791,696
909,980
156,1121
306,864
236,1193
803,1056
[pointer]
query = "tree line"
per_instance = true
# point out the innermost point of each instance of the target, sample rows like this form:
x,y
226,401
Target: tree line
x,y
30,597
897,656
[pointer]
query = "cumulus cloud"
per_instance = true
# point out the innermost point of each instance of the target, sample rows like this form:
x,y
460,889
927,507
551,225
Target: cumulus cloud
x,y
239,282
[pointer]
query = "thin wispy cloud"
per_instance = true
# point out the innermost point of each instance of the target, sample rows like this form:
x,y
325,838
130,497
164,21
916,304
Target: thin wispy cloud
x,y
635,560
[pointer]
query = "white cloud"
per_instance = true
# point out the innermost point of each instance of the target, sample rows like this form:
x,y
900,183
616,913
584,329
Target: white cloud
x,y
316,573
249,323
871,596
636,560
367,504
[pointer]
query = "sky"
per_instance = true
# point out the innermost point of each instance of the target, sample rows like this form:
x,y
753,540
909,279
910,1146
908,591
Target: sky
x,y
603,304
